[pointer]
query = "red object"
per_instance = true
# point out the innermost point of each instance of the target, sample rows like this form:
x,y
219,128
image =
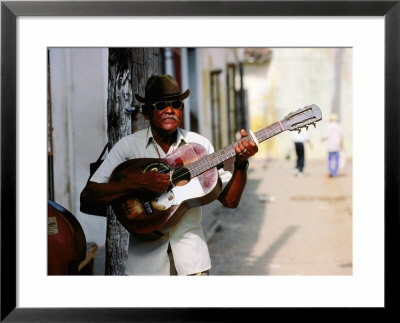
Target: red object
x,y
66,241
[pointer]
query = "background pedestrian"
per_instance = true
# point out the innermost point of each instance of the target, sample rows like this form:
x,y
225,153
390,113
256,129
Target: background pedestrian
x,y
334,144
299,138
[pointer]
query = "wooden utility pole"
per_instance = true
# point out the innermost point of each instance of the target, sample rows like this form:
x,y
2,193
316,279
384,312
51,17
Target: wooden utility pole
x,y
128,70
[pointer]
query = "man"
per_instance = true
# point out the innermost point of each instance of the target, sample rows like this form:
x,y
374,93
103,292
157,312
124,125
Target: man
x,y
299,138
163,107
334,144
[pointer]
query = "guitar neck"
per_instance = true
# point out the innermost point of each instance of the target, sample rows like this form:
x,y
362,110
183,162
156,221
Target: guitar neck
x,y
216,158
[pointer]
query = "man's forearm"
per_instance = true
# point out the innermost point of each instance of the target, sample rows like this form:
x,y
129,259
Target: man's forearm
x,y
230,196
98,195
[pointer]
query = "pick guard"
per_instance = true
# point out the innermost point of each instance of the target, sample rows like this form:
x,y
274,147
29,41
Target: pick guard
x,y
178,194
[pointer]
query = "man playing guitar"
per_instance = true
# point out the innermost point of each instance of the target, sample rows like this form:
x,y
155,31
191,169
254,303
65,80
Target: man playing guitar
x,y
163,108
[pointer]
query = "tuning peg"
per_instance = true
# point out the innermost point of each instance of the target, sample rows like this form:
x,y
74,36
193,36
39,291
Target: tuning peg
x,y
299,130
306,128
314,124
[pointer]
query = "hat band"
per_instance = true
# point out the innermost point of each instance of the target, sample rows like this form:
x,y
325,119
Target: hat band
x,y
164,97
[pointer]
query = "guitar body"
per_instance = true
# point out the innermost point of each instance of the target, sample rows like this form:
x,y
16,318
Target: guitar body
x,y
147,212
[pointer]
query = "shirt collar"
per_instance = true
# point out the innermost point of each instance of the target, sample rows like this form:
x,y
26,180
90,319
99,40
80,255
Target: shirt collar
x,y
149,137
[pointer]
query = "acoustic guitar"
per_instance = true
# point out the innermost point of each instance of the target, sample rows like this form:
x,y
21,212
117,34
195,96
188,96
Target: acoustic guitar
x,y
194,177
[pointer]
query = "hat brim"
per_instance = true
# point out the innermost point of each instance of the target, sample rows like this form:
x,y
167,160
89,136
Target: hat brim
x,y
181,96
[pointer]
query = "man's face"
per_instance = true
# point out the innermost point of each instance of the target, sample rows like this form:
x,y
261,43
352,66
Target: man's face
x,y
167,120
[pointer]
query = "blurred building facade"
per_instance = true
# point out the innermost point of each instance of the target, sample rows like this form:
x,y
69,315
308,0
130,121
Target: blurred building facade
x,y
231,88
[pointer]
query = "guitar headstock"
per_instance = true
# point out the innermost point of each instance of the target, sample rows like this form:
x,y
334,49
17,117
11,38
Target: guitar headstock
x,y
301,118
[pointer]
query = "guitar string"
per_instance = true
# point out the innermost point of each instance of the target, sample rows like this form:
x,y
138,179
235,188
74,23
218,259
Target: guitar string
x,y
198,165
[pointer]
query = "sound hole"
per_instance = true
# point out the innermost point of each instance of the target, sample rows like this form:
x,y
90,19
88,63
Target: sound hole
x,y
180,176
158,167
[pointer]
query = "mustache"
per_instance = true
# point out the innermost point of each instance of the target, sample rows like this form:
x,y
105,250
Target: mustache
x,y
170,117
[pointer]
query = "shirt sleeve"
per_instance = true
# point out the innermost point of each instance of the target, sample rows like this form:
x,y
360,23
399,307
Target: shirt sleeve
x,y
116,156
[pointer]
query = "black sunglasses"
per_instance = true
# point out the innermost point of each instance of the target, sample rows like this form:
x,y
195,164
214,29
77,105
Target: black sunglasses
x,y
161,105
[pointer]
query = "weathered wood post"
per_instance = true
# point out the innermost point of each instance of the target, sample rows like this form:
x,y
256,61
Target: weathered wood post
x,y
128,70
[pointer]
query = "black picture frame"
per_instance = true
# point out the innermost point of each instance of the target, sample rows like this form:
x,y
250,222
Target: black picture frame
x,y
10,10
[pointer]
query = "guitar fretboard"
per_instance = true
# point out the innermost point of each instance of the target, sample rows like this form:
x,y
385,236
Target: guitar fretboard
x,y
216,158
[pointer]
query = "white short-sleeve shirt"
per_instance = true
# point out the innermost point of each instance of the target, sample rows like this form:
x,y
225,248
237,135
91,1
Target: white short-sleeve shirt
x,y
333,135
188,244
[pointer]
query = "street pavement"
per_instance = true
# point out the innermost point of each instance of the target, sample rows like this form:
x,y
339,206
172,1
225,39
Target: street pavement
x,y
286,225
